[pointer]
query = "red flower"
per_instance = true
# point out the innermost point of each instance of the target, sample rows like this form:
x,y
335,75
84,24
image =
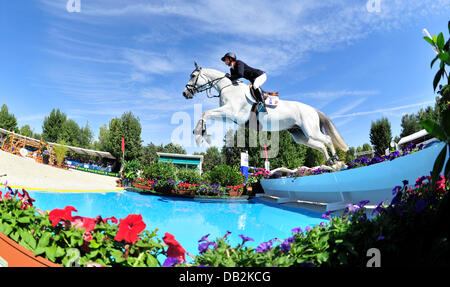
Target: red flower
x,y
87,236
56,215
83,222
175,250
129,228
113,220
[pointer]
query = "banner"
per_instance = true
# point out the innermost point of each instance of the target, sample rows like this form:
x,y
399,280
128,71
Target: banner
x,y
244,164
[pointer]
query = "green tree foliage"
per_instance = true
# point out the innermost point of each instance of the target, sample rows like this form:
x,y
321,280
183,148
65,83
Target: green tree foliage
x,y
314,158
52,126
128,127
211,158
86,137
149,155
409,125
290,154
70,133
174,148
60,151
380,135
350,155
103,139
26,131
8,121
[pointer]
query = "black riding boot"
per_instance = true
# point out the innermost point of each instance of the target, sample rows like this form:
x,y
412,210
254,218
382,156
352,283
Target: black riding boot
x,y
260,100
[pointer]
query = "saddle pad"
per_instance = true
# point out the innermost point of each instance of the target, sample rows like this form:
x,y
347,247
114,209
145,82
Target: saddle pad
x,y
271,101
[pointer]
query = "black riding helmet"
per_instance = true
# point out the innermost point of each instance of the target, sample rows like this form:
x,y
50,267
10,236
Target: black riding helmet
x,y
230,55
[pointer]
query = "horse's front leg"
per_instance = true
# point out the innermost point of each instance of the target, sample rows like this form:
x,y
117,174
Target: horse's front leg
x,y
222,113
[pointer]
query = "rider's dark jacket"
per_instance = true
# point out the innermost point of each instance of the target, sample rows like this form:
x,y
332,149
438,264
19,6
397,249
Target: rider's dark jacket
x,y
242,70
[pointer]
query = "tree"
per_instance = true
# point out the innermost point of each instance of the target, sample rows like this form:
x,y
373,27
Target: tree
x,y
52,126
103,138
86,137
8,121
409,125
174,148
70,133
211,158
26,131
129,128
149,155
380,135
350,155
314,158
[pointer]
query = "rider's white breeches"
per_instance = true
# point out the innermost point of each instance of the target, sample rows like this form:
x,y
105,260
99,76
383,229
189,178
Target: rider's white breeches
x,y
259,81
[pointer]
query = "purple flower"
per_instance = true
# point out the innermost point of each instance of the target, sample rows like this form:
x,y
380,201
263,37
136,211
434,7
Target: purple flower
x,y
378,209
204,238
396,189
170,262
327,214
361,204
203,247
264,247
226,234
286,245
203,266
381,237
245,239
397,198
297,230
352,208
420,205
308,228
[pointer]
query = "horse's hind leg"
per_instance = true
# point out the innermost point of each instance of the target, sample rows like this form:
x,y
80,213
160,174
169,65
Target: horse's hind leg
x,y
313,132
299,137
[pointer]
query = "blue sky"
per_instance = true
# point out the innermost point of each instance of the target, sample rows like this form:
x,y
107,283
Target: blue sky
x,y
116,56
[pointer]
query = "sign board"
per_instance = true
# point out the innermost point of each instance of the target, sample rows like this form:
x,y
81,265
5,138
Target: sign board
x,y
267,165
244,164
123,144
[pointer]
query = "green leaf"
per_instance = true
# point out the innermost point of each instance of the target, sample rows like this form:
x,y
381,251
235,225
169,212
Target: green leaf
x,y
50,252
440,41
94,244
28,239
24,219
443,56
439,164
429,40
39,251
434,60
437,78
151,261
434,129
447,169
5,228
45,240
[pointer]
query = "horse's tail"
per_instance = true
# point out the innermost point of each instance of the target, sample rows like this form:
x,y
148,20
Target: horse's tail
x,y
331,131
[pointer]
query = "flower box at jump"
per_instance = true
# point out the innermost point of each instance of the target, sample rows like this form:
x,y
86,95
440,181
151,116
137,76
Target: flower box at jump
x,y
337,189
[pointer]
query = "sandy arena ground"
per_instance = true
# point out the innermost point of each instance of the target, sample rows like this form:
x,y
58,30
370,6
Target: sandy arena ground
x,y
25,172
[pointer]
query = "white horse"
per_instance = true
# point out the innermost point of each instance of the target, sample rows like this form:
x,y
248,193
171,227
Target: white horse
x,y
304,122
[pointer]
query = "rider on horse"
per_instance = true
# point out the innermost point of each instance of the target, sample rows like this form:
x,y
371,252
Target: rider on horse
x,y
240,69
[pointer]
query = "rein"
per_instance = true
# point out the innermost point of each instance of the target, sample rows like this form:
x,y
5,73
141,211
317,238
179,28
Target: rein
x,y
206,87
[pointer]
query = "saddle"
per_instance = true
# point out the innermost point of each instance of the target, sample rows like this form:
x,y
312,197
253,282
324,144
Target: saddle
x,y
270,98
271,101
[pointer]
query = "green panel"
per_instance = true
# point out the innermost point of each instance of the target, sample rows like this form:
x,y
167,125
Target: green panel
x,y
181,161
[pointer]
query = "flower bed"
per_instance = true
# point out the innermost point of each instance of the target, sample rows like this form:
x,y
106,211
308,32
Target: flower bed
x,y
412,230
60,236
194,189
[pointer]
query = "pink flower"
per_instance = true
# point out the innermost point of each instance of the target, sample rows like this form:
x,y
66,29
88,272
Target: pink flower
x,y
87,236
83,222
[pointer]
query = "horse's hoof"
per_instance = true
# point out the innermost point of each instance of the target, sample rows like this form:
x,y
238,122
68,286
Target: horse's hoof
x,y
198,140
208,139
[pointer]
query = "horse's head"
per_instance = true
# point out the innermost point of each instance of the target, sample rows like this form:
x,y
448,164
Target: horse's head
x,y
196,80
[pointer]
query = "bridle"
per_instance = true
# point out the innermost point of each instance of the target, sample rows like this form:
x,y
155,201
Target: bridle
x,y
193,89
